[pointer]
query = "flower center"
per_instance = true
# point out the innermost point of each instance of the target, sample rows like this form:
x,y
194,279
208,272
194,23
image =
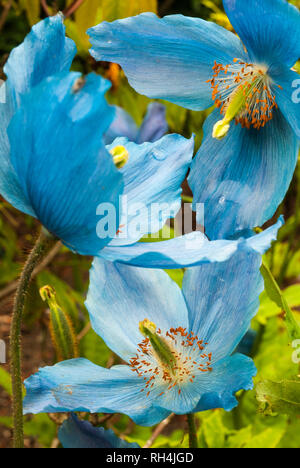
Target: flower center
x,y
168,360
243,92
120,156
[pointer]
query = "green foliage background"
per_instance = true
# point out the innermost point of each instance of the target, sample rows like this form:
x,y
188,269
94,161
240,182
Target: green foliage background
x,y
268,416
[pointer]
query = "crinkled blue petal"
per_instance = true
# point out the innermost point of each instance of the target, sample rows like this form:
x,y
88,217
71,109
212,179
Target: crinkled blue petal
x,y
288,95
154,125
169,58
222,299
152,178
270,29
45,51
75,433
189,250
243,178
228,377
123,125
79,385
60,160
120,297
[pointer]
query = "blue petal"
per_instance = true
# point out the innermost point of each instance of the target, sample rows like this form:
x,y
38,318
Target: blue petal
x,y
10,187
123,125
222,300
154,125
79,385
74,434
118,291
152,185
45,51
243,178
189,250
60,160
169,58
228,377
270,29
288,96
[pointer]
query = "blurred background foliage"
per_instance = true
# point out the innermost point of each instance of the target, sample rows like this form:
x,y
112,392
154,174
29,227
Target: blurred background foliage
x,y
268,416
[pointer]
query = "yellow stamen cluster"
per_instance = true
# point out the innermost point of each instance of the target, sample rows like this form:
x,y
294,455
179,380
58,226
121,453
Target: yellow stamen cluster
x,y
120,156
167,360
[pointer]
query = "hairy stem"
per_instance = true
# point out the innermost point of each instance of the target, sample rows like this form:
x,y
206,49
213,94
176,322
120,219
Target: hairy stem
x,y
44,242
193,440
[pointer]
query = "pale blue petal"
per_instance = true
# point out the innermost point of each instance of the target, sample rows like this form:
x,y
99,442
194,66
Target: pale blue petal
x,y
61,162
79,385
120,297
45,51
169,58
288,95
243,178
152,185
154,125
123,125
222,300
228,377
270,29
192,249
189,250
75,433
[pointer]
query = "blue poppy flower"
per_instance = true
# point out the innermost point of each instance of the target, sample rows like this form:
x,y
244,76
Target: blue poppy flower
x,y
178,344
242,172
75,433
152,129
53,161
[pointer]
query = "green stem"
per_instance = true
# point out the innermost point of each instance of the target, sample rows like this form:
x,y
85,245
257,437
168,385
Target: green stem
x,y
44,242
193,440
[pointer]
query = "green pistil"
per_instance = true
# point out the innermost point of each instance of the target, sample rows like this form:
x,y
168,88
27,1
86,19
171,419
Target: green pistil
x,y
159,345
236,105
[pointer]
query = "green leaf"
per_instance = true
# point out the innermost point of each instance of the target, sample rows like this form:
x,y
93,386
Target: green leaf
x,y
240,438
214,430
93,348
279,397
5,381
269,438
277,296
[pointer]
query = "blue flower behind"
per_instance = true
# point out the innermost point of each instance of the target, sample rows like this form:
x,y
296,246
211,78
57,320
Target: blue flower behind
x,y
75,433
152,129
241,172
179,344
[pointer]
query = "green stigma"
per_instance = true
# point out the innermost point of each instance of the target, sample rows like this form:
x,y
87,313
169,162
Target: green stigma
x,y
159,345
236,104
120,156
